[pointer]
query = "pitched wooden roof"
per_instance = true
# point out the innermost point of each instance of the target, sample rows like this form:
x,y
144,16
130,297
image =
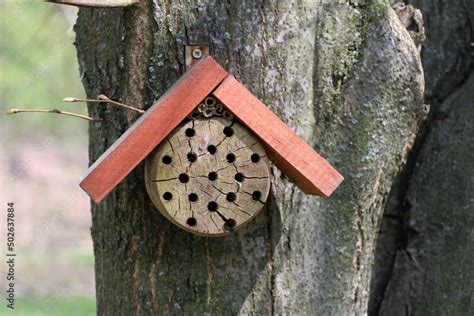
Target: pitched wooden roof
x,y
312,173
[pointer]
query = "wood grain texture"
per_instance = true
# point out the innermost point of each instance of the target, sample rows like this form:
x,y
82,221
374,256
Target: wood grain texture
x,y
151,128
226,177
296,159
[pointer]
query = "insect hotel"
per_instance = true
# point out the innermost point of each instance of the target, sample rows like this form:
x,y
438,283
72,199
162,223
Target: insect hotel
x,y
208,143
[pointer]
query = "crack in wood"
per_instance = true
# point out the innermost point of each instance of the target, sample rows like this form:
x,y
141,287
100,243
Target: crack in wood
x,y
164,180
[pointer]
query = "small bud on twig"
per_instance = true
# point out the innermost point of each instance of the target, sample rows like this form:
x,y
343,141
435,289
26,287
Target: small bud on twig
x,y
69,99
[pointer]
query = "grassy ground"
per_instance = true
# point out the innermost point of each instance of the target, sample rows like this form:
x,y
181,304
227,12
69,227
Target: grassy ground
x,y
52,306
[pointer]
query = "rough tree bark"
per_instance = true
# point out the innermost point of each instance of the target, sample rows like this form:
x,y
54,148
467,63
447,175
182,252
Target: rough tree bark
x,y
425,254
346,76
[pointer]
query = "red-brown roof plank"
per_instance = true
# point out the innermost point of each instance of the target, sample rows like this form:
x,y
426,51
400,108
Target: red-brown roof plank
x,y
151,128
296,159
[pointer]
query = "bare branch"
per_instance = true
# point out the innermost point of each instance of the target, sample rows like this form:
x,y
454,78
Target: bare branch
x,y
97,3
104,99
55,111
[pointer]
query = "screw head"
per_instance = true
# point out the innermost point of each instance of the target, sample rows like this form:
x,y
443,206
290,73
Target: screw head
x,y
197,53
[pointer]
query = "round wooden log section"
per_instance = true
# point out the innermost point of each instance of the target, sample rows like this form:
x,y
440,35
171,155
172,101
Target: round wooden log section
x,y
209,176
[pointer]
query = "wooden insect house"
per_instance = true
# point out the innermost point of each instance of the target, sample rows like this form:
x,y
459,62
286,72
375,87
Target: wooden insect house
x,y
208,143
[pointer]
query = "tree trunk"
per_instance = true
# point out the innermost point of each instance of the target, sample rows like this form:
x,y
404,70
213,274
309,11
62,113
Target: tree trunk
x,y
425,254
346,77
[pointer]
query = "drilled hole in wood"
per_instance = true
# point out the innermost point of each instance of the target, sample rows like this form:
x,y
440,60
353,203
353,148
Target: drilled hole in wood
x,y
210,101
193,197
192,157
230,224
212,206
230,158
228,131
212,149
212,176
239,177
167,196
256,195
255,158
191,221
167,160
231,197
190,132
183,178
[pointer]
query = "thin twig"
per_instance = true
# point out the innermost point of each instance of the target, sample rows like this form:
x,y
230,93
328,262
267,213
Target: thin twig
x,y
15,111
104,99
97,3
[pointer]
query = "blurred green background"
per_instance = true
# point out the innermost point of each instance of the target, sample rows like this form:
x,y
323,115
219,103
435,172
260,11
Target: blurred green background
x,y
42,157
38,62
